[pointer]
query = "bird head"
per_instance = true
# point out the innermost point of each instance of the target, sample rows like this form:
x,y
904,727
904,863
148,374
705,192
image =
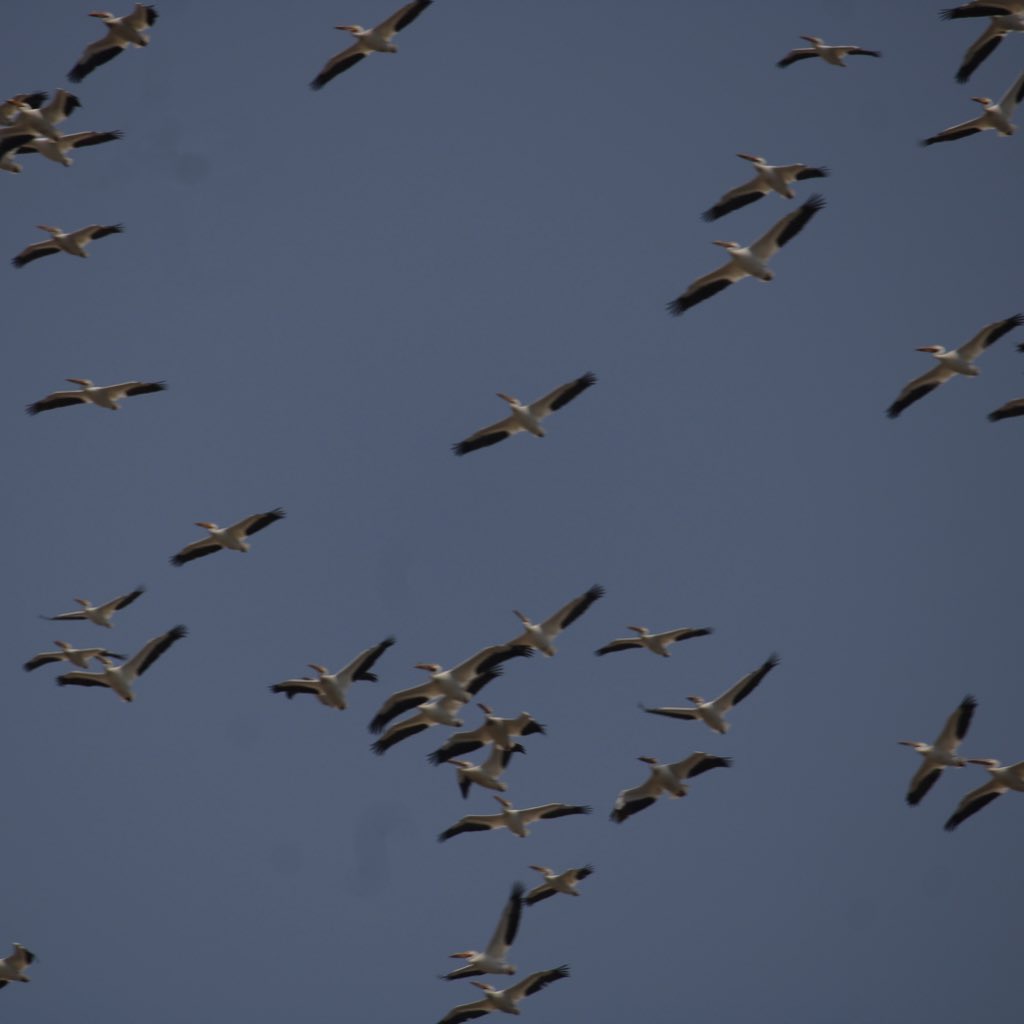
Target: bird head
x,y
521,617
642,630
697,700
934,349
983,100
354,29
485,709
648,760
100,14
428,666
988,762
460,763
321,669
542,870
64,646
84,381
206,526
508,398
504,803
910,743
82,601
727,245
753,159
483,985
464,955
813,39
47,227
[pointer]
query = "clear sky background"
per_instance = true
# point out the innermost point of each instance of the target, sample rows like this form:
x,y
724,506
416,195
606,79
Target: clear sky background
x,y
333,286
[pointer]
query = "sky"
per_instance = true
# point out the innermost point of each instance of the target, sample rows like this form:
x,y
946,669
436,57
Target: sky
x,y
334,285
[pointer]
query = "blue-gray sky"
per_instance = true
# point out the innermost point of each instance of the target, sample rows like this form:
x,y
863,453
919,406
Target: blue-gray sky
x,y
334,285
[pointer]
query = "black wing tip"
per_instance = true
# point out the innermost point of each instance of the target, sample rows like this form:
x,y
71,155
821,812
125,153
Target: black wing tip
x,y
772,660
177,633
814,203
436,757
177,560
379,748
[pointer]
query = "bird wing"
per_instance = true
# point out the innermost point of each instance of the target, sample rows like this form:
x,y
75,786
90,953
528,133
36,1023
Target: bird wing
x,y
472,823
924,778
859,51
545,811
65,617
988,336
918,388
508,924
35,252
686,713
677,635
956,726
956,131
974,802
706,286
578,874
253,524
359,667
744,687
535,982
197,549
802,173
9,109
569,613
467,1011
794,55
1013,96
55,400
62,106
632,801
736,198
623,644
338,63
979,51
291,687
142,16
487,436
124,600
696,764
541,892
459,744
402,701
563,395
94,231
95,55
1013,408
82,139
403,16
81,679
20,958
401,731
152,650
787,228
38,660
14,140
487,659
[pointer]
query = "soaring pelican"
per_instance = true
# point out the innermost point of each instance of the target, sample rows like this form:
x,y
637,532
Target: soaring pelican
x,y
492,959
331,689
829,54
1015,407
119,678
71,242
1004,778
511,818
439,711
664,778
12,967
232,537
98,614
951,363
487,774
501,732
507,1000
942,753
747,261
369,40
769,178
541,634
983,9
656,643
712,712
995,116
1000,26
123,32
565,882
10,109
32,115
106,396
58,151
525,416
79,656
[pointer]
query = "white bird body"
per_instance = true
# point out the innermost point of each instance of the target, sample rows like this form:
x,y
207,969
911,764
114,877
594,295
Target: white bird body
x,y
514,819
769,178
331,688
1003,778
942,753
656,643
503,1001
232,537
541,635
98,614
128,30
567,882
493,959
664,778
995,116
79,656
12,967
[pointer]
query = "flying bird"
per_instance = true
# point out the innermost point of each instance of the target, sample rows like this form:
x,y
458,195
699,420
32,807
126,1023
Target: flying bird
x,y
525,416
12,967
747,261
492,960
129,30
1003,779
541,634
369,40
232,537
511,818
98,614
982,9
58,150
507,1000
656,643
997,117
712,712
11,108
331,689
106,396
27,112
942,753
1015,407
829,54
958,361
503,733
439,711
985,45
119,678
567,882
769,178
79,656
664,778
487,774
71,242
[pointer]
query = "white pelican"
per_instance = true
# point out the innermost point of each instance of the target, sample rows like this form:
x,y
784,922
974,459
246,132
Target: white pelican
x,y
942,753
331,689
122,32
656,643
983,9
40,119
553,883
664,778
369,40
119,678
232,537
712,712
769,178
747,261
9,109
995,116
502,732
829,54
10,144
511,818
525,416
487,774
71,242
98,614
492,959
506,1000
58,151
79,656
541,634
1000,26
106,396
1004,778
12,967
1015,407
439,711
951,363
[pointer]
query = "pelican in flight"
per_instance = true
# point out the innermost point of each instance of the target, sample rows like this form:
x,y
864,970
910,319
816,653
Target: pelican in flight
x,y
656,643
439,711
58,150
769,178
10,109
1003,779
1000,26
712,712
565,882
12,967
369,40
26,112
119,678
79,656
1015,407
331,689
995,116
664,778
98,614
541,634
958,361
511,818
487,774
106,396
829,54
232,537
71,242
983,9
492,959
129,30
501,732
942,753
747,261
507,1000
525,416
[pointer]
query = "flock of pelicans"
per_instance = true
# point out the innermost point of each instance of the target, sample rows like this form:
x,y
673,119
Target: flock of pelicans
x,y
30,123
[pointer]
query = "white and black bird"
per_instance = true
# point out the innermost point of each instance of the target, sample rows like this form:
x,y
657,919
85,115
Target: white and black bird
x,y
105,396
997,117
11,108
769,178
505,1001
983,9
950,364
71,242
493,958
120,678
79,656
541,635
942,753
12,966
664,778
712,712
747,261
369,40
331,688
525,416
829,54
566,882
58,150
31,112
503,733
439,711
515,820
488,773
231,537
656,643
1003,779
1007,411
999,27
98,614
128,30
